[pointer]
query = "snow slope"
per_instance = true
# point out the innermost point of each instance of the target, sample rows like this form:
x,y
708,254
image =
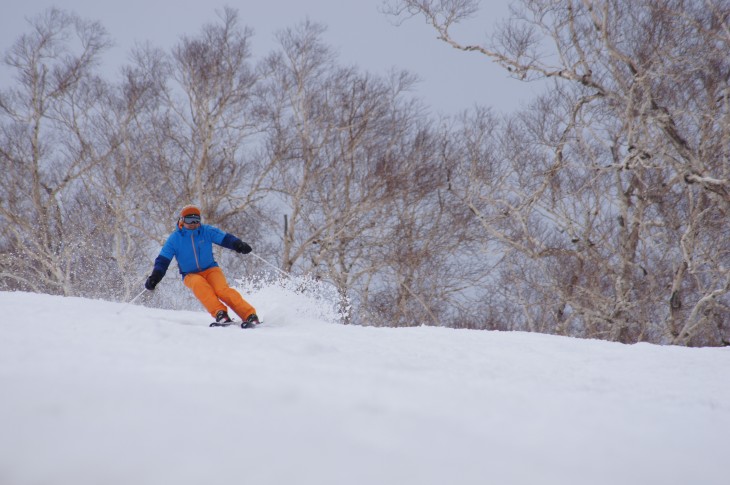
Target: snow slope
x,y
147,396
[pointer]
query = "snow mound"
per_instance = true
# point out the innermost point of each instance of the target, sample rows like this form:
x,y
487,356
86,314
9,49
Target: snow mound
x,y
94,392
293,300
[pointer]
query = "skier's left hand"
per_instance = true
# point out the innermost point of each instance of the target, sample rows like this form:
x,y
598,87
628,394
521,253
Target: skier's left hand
x,y
241,247
152,280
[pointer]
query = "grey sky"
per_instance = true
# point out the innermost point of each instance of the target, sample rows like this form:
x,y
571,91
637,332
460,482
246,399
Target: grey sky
x,y
451,80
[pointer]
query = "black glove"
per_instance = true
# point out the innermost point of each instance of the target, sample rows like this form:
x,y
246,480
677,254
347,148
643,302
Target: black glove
x,y
152,280
241,247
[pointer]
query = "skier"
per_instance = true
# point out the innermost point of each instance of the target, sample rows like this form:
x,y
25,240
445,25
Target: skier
x,y
192,244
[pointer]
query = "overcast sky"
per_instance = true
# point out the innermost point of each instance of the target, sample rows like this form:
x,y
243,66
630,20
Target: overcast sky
x,y
451,80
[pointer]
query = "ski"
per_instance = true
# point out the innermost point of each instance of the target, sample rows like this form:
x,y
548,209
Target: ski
x,y
234,323
221,324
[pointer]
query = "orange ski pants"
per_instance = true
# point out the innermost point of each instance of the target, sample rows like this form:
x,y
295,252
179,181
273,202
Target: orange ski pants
x,y
211,288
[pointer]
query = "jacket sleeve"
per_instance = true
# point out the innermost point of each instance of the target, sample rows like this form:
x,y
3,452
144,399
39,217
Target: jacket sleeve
x,y
161,264
221,238
229,241
163,260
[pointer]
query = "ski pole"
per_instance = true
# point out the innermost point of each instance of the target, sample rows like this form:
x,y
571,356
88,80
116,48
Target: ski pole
x,y
266,262
131,301
135,298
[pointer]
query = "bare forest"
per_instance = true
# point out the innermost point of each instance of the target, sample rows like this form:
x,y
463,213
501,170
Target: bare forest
x,y
599,211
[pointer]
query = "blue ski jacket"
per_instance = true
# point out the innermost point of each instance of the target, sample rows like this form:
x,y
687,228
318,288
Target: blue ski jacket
x,y
193,249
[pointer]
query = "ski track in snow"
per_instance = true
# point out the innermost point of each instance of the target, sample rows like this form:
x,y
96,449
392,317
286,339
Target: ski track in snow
x,y
143,396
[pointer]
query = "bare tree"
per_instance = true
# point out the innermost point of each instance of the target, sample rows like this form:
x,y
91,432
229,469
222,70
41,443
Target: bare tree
x,y
48,144
371,172
298,128
206,125
613,218
353,170
117,193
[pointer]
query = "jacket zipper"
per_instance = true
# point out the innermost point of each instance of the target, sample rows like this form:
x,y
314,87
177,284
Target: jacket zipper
x,y
195,253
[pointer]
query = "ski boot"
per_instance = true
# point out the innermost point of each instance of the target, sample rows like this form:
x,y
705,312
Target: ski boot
x,y
221,319
251,321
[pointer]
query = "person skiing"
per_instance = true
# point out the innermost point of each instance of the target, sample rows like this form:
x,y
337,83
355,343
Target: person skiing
x,y
192,245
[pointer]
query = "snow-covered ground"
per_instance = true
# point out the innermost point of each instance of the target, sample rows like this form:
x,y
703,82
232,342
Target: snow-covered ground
x,y
93,392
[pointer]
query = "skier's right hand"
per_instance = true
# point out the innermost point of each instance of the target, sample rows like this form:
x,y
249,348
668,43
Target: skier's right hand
x,y
241,247
152,280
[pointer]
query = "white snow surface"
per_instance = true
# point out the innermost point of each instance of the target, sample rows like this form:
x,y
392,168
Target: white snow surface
x,y
93,392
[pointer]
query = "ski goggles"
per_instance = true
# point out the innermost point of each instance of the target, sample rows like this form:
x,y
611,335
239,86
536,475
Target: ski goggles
x,y
192,219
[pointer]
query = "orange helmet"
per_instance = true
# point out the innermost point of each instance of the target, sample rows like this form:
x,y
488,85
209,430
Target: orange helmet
x,y
188,210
